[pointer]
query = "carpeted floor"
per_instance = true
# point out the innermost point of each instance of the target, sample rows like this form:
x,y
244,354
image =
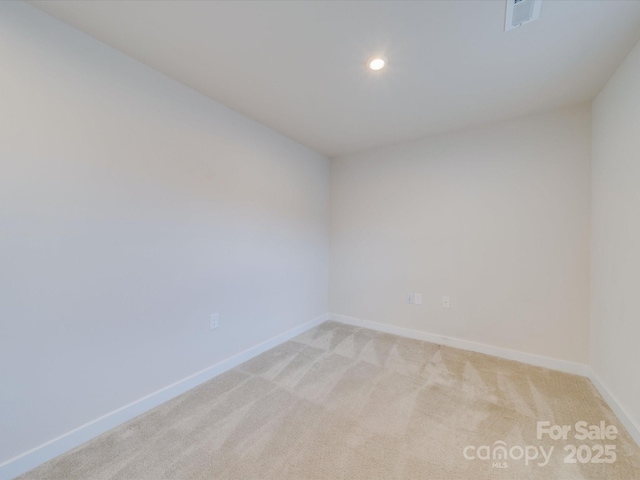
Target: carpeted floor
x,y
341,402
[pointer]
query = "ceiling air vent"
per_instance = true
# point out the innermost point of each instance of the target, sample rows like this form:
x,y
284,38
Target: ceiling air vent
x,y
520,12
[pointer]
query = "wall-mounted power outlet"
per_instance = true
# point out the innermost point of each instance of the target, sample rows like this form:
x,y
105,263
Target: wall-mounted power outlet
x,y
446,302
414,298
214,319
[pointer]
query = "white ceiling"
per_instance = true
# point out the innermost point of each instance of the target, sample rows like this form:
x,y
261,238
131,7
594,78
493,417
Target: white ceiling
x,y
299,66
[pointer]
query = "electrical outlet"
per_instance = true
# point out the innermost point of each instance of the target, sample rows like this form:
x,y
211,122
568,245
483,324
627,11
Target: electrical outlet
x,y
446,302
410,298
213,321
417,298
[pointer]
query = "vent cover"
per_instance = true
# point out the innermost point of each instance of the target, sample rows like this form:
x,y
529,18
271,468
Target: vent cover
x,y
520,12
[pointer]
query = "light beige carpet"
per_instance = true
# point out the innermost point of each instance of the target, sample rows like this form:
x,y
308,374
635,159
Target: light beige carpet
x,y
340,402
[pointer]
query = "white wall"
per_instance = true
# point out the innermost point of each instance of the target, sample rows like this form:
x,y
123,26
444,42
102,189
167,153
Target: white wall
x,y
496,217
130,209
615,234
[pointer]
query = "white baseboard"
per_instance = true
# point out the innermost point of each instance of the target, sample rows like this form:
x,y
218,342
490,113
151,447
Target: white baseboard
x,y
538,360
529,358
632,427
57,446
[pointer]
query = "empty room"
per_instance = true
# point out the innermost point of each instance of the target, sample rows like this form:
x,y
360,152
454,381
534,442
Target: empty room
x,y
319,239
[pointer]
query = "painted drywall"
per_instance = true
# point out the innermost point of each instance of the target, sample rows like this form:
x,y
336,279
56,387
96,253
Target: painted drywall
x,y
496,218
132,207
615,237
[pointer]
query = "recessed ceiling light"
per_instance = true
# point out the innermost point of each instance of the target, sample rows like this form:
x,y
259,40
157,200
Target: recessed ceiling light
x,y
377,63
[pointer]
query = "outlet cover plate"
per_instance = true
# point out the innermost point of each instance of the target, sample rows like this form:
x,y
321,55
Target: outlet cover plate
x,y
214,321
